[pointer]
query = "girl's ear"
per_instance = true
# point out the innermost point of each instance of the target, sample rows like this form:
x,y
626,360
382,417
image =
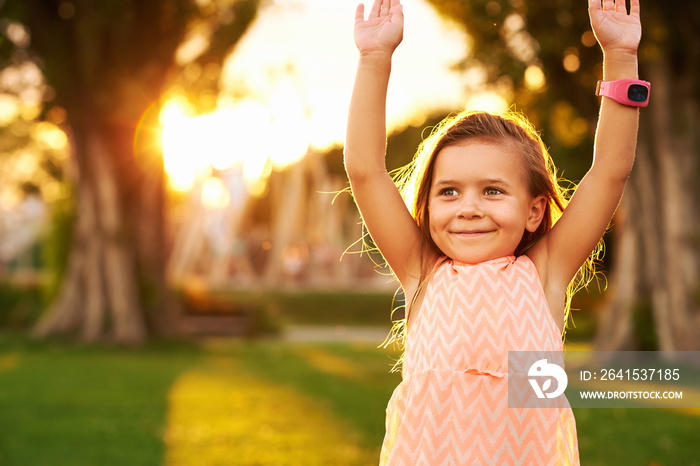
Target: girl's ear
x,y
536,213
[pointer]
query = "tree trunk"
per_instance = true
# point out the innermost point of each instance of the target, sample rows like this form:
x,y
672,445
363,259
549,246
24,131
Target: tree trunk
x,y
99,295
671,290
616,328
147,204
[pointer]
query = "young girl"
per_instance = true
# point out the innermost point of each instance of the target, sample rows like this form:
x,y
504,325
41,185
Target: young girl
x,y
482,253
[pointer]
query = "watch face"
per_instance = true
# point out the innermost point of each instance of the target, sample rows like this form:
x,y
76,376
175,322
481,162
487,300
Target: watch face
x,y
637,93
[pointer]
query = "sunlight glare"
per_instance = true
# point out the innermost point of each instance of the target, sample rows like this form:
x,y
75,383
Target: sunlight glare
x,y
215,195
179,147
487,101
210,137
307,46
289,132
257,137
248,134
176,110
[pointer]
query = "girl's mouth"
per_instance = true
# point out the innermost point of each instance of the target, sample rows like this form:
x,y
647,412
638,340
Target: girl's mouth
x,y
471,233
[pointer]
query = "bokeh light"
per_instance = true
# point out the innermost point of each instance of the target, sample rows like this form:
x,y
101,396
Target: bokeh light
x,y
534,77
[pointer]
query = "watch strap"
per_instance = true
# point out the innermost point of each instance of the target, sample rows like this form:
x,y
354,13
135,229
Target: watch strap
x,y
622,89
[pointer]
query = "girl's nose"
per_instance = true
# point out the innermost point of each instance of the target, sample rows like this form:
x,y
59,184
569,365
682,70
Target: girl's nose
x,y
470,207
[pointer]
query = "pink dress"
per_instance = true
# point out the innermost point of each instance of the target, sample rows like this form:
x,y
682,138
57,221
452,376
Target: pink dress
x,y
451,407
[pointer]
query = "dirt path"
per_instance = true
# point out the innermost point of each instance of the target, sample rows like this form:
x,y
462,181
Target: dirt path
x,y
220,416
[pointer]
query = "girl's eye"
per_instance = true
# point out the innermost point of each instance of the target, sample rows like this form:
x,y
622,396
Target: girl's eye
x,y
449,192
493,191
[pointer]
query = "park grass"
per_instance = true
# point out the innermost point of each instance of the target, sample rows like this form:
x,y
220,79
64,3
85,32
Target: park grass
x,y
259,402
62,404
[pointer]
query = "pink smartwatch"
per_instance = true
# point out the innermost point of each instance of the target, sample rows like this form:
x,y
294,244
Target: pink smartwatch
x,y
630,92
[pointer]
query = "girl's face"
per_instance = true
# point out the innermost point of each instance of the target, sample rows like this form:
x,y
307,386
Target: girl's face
x,y
479,204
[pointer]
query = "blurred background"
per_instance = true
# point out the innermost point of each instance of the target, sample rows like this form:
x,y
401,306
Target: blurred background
x,y
181,276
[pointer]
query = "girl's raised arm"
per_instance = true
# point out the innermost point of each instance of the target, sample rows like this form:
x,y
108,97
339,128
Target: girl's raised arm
x,y
588,214
383,210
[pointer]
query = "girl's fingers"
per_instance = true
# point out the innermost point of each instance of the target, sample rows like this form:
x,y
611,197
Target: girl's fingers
x,y
621,6
634,8
615,5
395,3
360,13
376,9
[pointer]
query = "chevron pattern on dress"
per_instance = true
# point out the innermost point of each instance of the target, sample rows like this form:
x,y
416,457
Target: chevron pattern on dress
x,y
451,407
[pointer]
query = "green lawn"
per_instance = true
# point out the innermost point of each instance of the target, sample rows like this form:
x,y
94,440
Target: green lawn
x,y
174,403
67,405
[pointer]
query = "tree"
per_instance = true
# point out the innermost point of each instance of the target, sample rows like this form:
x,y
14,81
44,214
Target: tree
x,y
109,63
656,251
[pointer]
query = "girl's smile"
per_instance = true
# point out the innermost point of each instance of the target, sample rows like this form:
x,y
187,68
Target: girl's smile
x,y
472,233
480,204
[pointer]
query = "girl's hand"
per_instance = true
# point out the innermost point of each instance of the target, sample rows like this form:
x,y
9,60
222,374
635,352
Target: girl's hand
x,y
383,30
616,31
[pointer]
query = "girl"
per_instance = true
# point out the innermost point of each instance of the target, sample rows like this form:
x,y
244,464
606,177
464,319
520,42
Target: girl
x,y
481,253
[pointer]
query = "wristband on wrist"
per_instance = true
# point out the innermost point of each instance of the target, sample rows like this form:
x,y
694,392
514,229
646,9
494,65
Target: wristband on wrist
x,y
630,92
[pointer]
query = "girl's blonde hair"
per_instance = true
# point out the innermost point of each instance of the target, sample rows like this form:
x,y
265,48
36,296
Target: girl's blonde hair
x,y
512,130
